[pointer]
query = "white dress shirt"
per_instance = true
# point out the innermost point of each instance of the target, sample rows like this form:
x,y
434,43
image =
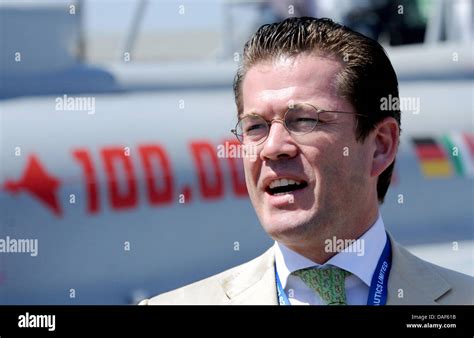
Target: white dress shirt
x,y
360,263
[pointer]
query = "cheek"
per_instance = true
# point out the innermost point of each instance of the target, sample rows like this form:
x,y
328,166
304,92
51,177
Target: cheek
x,y
326,158
352,168
251,169
336,164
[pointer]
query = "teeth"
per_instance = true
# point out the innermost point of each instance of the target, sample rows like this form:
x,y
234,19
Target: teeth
x,y
280,193
282,182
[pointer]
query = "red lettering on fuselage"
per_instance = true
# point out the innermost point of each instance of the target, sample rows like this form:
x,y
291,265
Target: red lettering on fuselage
x,y
120,198
208,169
157,193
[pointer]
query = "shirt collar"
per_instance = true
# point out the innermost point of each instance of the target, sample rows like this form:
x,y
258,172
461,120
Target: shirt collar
x,y
360,258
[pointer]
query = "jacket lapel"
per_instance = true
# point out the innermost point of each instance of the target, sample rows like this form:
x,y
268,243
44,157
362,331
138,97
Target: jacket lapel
x,y
254,283
412,281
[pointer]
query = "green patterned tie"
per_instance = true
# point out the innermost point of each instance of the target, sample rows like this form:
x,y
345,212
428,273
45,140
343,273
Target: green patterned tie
x,y
329,283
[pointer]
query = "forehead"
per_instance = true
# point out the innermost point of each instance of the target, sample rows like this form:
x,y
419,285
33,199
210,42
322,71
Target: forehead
x,y
273,85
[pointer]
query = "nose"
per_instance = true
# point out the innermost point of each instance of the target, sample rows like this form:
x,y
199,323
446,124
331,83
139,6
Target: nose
x,y
279,143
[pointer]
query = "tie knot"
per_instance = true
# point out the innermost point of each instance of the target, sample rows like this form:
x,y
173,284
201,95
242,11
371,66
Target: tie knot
x,y
328,282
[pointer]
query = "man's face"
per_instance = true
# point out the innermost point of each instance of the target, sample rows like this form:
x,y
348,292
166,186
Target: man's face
x,y
333,169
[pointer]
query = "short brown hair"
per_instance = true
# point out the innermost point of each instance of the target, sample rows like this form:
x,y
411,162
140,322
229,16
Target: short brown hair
x,y
367,76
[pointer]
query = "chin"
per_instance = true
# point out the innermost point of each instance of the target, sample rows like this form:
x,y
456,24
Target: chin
x,y
286,225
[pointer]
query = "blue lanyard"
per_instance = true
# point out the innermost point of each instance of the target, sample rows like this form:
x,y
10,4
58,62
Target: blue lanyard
x,y
282,297
378,285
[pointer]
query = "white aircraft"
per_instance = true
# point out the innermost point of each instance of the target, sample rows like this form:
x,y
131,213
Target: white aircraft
x,y
116,181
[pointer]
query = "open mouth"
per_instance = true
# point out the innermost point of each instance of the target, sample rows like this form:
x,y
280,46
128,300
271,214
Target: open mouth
x,y
283,186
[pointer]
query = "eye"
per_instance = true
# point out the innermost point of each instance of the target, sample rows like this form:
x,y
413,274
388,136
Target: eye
x,y
254,127
303,122
305,119
300,121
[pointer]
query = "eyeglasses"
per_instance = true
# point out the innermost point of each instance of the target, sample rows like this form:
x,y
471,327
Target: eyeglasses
x,y
299,119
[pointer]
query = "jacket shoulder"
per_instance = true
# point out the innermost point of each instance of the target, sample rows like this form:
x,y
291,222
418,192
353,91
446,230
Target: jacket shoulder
x,y
461,290
462,287
207,291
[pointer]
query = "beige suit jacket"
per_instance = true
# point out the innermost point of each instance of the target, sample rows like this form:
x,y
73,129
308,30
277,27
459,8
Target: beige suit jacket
x,y
412,281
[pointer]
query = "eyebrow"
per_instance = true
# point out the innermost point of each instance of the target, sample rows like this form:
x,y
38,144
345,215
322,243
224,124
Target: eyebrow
x,y
249,113
253,112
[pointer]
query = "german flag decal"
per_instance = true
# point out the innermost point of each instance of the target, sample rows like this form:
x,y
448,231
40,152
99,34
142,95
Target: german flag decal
x,y
454,153
434,160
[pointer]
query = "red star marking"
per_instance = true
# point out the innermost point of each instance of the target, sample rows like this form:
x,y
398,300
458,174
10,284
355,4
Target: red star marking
x,y
39,183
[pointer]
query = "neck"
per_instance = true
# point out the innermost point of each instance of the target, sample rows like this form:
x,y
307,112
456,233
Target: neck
x,y
315,247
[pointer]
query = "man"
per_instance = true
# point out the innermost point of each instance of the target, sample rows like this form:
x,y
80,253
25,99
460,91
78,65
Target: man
x,y
308,97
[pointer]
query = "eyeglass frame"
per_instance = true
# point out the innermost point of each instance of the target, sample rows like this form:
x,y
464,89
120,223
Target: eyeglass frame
x,y
282,121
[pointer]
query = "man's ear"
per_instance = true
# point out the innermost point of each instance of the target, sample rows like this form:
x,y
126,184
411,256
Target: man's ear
x,y
386,139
